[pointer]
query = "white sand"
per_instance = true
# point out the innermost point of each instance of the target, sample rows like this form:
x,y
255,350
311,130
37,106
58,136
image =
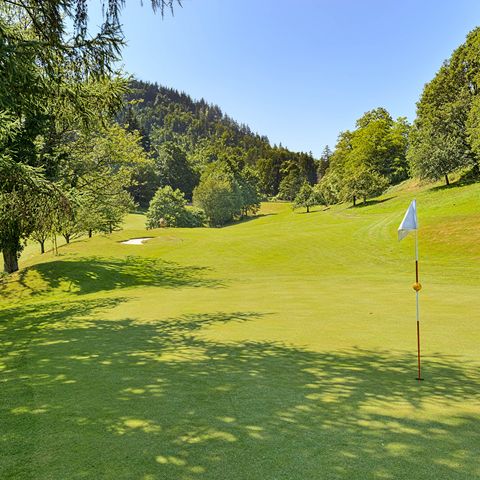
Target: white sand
x,y
136,241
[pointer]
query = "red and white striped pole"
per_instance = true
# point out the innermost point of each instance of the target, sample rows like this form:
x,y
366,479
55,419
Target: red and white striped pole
x,y
410,223
417,287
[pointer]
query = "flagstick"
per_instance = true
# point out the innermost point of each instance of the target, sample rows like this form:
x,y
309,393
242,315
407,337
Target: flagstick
x,y
419,378
410,223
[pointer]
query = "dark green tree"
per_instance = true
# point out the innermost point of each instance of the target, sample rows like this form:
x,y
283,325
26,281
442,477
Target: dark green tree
x,y
291,182
324,162
247,181
173,168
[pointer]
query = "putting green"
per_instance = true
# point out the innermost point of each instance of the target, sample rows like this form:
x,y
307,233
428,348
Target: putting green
x,y
282,347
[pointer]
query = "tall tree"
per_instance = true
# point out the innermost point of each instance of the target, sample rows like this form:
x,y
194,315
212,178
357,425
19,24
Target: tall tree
x,y
324,162
173,168
367,159
53,70
443,134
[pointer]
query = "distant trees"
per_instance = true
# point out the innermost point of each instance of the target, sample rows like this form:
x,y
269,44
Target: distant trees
x,y
324,162
368,159
291,184
218,195
363,183
443,139
248,181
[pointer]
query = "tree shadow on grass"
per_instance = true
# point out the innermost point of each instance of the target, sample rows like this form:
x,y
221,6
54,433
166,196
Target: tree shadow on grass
x,y
461,182
369,203
304,212
94,274
467,178
247,219
91,398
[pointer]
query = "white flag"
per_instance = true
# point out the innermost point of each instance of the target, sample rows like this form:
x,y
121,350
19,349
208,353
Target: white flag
x,y
409,221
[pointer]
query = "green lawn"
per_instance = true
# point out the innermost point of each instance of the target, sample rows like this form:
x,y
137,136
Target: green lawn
x,y
282,347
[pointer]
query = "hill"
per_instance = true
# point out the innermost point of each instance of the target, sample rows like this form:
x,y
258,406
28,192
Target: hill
x,y
193,133
279,347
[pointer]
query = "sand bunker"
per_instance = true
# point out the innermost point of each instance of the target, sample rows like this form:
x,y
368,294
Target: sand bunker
x,y
136,241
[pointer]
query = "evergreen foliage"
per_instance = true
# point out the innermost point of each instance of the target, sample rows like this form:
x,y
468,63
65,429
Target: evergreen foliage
x,y
50,81
184,136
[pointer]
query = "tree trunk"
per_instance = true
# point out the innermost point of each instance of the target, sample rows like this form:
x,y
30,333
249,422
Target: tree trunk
x,y
42,246
110,228
90,233
10,260
447,181
66,236
308,209
364,200
354,200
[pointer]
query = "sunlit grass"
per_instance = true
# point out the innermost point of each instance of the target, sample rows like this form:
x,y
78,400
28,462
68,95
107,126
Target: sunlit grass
x,y
279,348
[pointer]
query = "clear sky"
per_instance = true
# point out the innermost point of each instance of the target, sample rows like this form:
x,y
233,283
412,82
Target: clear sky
x,y
298,71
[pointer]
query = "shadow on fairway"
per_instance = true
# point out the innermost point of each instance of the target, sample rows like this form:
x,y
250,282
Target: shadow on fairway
x,y
368,203
85,398
249,218
304,212
468,178
94,274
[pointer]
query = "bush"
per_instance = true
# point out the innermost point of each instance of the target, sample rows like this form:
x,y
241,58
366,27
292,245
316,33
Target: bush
x,y
219,197
194,217
168,209
226,194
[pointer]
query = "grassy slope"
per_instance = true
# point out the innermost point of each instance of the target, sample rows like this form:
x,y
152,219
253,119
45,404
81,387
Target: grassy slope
x,y
278,348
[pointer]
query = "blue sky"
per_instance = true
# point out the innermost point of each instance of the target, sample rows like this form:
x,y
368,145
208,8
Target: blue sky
x,y
298,71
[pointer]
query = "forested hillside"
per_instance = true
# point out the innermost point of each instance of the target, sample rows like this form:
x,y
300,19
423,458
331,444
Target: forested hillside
x,y
184,135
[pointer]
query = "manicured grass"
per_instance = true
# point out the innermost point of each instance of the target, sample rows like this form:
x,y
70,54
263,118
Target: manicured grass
x,y
282,347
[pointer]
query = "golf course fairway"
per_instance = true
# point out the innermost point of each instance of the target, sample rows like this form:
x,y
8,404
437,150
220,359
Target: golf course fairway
x,y
281,347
